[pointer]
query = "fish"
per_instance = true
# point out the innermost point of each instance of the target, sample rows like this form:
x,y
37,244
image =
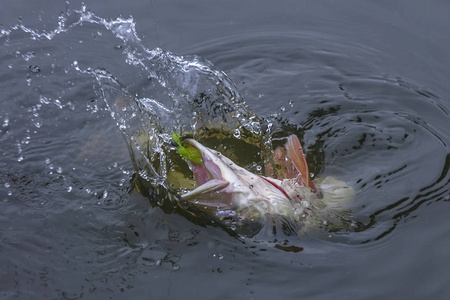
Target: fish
x,y
245,202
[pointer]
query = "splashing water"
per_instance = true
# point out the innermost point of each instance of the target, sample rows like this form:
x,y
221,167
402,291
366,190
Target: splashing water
x,y
186,94
166,93
169,94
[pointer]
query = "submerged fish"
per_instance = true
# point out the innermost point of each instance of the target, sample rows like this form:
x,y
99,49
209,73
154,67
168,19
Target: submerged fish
x,y
245,202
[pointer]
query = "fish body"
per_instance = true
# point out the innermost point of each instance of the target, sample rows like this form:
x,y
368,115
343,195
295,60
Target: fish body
x,y
238,198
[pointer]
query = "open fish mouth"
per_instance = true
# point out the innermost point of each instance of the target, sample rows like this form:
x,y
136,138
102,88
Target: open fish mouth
x,y
211,181
206,172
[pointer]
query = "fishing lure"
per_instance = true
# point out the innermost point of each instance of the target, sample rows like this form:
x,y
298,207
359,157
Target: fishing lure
x,y
190,153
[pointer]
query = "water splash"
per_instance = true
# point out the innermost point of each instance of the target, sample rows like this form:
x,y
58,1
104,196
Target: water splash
x,y
184,94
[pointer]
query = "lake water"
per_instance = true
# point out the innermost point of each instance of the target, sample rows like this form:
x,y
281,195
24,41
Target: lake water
x,y
365,84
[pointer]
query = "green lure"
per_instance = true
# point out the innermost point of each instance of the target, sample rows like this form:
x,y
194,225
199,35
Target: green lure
x,y
189,153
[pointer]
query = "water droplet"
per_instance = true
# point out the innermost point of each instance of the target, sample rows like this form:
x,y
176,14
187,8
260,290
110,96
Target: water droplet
x,y
325,223
69,189
47,160
5,122
105,194
233,227
175,267
237,133
44,100
59,170
20,159
34,69
258,168
251,186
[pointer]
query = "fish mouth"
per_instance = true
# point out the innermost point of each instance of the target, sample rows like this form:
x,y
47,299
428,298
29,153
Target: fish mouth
x,y
208,174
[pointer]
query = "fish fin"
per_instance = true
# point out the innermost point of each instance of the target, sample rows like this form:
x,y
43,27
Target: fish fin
x,y
297,156
280,167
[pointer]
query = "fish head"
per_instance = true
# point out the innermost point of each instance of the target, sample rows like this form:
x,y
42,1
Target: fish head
x,y
234,196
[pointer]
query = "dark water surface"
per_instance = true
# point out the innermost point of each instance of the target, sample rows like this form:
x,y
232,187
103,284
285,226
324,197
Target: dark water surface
x,y
366,84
